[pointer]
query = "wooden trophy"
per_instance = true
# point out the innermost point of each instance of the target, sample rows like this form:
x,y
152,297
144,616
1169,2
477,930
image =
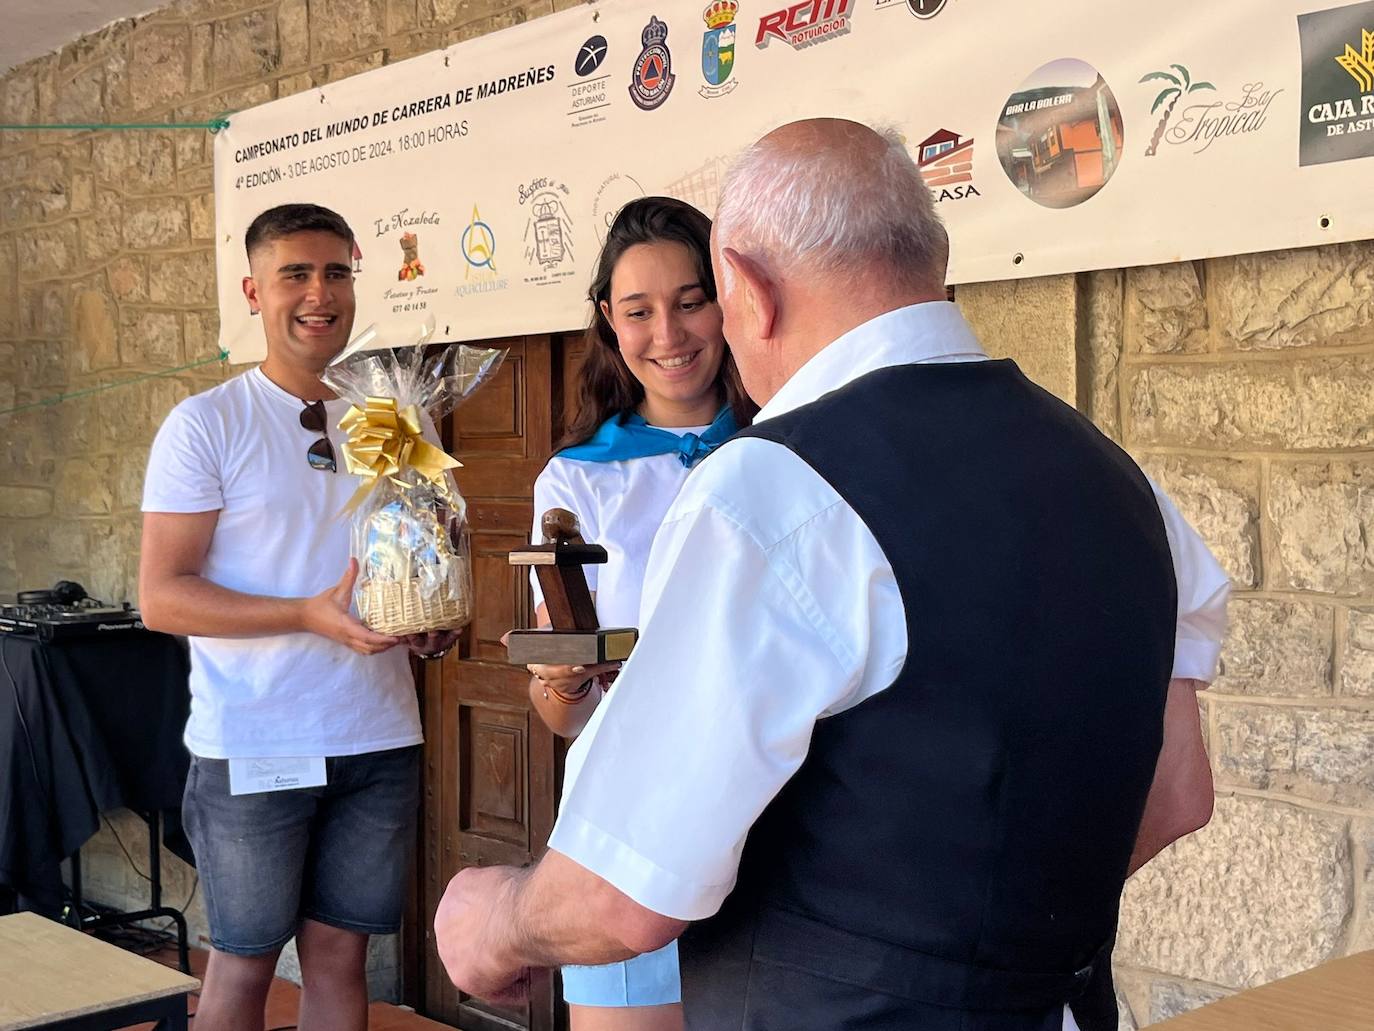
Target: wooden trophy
x,y
574,639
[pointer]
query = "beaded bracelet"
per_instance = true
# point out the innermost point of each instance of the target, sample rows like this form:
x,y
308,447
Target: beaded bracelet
x,y
570,699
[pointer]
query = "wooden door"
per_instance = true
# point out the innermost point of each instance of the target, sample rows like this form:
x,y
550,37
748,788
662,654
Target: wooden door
x,y
492,770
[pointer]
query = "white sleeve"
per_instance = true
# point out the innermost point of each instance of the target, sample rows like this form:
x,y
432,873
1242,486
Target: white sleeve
x,y
1203,590
183,472
709,718
557,487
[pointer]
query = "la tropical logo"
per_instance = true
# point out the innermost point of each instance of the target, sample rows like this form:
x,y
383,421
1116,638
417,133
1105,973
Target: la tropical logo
x,y
1178,84
1210,116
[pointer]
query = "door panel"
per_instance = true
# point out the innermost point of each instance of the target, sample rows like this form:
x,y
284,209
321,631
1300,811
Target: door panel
x,y
492,770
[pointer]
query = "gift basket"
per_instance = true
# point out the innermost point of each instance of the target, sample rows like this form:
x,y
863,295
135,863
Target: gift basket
x,y
409,529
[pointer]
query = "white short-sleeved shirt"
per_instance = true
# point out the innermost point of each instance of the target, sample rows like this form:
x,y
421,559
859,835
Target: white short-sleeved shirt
x,y
619,506
240,449
767,606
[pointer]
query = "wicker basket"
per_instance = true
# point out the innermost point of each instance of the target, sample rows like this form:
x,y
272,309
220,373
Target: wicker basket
x,y
398,607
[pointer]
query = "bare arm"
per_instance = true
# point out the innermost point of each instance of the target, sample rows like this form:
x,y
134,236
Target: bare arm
x,y
494,922
176,599
1180,799
566,719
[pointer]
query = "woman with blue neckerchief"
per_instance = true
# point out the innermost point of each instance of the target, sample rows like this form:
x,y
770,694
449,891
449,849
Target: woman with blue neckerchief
x,y
657,392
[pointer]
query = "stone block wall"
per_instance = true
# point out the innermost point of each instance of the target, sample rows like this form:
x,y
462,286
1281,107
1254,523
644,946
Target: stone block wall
x,y
107,279
106,268
1245,385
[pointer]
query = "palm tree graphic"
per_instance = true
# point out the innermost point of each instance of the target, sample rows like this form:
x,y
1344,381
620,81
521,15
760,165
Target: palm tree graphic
x,y
1178,86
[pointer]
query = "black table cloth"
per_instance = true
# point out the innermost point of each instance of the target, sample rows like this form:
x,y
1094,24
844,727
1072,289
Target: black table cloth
x,y
86,726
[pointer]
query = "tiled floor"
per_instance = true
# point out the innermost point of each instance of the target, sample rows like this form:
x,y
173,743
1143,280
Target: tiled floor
x,y
283,1001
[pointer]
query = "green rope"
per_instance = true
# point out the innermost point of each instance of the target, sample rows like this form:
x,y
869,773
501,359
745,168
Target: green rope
x,y
57,399
215,125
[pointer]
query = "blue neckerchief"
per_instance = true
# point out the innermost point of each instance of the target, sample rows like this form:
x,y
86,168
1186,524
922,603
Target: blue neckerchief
x,y
628,436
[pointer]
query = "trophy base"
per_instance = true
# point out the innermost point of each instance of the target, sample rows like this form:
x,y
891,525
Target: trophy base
x,y
570,647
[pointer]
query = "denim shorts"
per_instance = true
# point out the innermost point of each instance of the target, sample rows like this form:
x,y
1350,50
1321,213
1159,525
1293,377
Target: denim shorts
x,y
340,853
648,980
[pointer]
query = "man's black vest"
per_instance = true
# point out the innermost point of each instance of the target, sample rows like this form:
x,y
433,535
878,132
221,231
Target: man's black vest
x,y
951,853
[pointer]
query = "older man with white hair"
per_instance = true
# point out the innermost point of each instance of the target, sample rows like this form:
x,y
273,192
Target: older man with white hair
x,y
915,686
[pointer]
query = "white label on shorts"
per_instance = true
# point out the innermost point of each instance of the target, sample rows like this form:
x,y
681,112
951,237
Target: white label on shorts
x,y
250,776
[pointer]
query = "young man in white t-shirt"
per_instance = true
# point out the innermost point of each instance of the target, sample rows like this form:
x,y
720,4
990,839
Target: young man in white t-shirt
x,y
244,552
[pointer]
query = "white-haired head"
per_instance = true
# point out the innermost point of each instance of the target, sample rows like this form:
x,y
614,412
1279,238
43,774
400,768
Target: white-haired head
x,y
833,197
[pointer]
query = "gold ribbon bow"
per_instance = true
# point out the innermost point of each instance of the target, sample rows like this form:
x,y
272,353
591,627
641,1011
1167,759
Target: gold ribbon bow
x,y
384,441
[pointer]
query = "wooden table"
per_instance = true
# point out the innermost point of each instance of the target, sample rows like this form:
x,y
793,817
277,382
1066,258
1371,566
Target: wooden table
x,y
1336,996
52,976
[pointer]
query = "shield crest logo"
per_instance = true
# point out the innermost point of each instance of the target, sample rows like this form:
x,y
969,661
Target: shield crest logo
x,y
718,44
652,79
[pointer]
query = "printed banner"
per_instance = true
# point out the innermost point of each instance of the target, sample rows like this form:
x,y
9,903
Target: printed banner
x,y
480,179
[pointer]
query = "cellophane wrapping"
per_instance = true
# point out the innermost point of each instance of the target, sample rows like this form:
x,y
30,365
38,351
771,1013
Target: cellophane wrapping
x,y
409,521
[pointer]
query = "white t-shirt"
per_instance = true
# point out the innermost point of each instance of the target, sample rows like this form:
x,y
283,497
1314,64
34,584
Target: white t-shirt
x,y
619,506
240,449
